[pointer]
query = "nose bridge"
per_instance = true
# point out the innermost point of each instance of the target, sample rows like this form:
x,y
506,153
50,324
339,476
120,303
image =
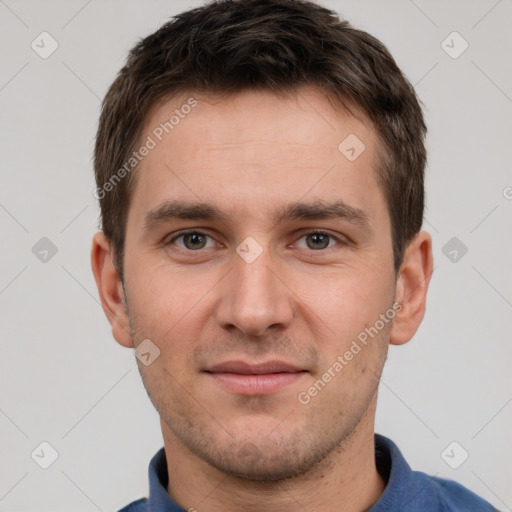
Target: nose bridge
x,y
254,282
255,299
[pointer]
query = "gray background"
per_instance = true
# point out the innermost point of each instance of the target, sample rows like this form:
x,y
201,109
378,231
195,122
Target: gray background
x,y
64,380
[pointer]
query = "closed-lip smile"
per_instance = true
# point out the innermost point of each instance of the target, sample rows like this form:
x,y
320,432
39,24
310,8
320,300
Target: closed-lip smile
x,y
261,378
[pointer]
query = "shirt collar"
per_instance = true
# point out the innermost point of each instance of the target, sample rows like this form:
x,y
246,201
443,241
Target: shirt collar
x,y
159,500
391,465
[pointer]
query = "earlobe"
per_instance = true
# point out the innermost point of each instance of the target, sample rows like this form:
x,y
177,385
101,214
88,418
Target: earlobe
x,y
412,287
110,289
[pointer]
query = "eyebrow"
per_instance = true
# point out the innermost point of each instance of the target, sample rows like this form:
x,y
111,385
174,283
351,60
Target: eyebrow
x,y
184,210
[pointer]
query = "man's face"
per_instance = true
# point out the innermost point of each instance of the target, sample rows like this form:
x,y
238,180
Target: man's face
x,y
284,295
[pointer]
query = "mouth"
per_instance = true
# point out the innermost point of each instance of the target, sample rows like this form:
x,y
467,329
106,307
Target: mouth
x,y
248,379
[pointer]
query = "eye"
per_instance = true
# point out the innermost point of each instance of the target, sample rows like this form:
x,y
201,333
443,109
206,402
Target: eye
x,y
194,241
191,240
318,240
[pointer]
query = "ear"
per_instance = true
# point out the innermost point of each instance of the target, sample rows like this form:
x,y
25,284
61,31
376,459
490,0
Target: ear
x,y
110,289
411,288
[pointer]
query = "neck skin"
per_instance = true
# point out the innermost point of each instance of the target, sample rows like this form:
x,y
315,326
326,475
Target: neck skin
x,y
347,480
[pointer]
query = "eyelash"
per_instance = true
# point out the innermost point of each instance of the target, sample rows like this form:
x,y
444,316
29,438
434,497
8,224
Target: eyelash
x,y
181,234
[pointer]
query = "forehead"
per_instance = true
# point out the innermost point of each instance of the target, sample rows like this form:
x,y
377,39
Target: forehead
x,y
257,116
255,150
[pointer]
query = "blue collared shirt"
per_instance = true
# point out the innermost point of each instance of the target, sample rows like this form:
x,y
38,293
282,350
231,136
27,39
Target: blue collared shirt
x,y
406,490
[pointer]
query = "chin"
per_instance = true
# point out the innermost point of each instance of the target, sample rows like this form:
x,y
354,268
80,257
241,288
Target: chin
x,y
265,460
263,468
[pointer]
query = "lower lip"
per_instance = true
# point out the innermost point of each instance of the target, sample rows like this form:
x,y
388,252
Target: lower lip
x,y
255,384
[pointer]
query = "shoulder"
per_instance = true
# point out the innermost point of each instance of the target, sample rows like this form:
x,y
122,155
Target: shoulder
x,y
417,491
136,506
453,496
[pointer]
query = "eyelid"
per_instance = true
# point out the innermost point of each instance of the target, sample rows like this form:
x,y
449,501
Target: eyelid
x,y
307,231
183,232
310,231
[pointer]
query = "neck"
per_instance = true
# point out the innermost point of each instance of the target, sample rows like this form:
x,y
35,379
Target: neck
x,y
347,479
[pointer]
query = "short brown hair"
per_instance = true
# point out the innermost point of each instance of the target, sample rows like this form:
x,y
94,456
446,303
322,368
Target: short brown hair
x,y
228,46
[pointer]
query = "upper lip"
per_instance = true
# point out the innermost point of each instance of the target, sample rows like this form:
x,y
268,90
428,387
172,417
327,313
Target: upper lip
x,y
244,368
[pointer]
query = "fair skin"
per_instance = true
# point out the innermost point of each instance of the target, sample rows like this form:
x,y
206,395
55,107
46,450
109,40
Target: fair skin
x,y
303,301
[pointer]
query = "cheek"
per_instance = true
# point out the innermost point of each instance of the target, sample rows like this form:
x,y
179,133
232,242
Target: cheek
x,y
346,298
350,307
165,292
173,307
160,302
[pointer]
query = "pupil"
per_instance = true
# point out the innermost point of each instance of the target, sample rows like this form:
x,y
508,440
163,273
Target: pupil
x,y
194,238
320,241
318,238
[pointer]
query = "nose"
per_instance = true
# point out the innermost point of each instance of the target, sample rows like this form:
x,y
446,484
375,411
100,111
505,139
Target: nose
x,y
255,297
